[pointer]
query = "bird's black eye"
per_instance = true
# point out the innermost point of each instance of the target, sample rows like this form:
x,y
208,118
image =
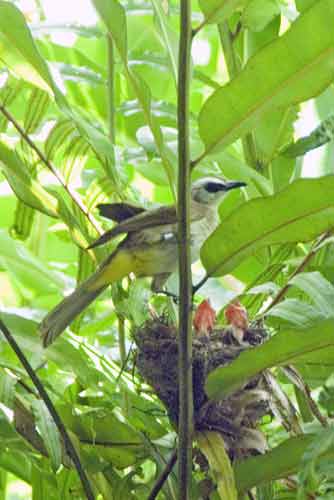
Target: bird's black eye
x,y
214,187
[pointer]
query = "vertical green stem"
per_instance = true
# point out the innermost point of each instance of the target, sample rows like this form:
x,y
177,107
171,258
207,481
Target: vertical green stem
x,y
111,89
185,289
112,136
233,67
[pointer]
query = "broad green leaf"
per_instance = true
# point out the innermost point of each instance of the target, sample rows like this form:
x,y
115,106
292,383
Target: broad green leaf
x,y
216,11
320,291
26,188
258,13
97,427
300,212
298,66
283,348
213,446
296,312
17,37
27,270
322,444
280,462
49,432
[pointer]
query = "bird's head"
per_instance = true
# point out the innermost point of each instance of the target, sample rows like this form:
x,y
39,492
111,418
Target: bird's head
x,y
211,190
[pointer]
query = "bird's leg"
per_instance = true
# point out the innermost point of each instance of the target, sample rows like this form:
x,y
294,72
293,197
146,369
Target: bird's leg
x,y
158,283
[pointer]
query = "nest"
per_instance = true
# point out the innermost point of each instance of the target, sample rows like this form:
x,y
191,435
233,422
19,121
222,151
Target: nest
x,y
235,417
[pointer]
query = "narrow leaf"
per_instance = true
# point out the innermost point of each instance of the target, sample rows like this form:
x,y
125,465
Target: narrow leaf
x,y
318,137
49,433
213,446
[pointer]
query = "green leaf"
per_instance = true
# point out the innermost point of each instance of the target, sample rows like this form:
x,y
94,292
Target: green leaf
x,y
300,212
26,188
34,195
280,462
213,446
258,13
283,348
18,37
216,11
296,312
318,137
49,433
322,443
7,389
26,269
113,15
320,291
297,67
169,36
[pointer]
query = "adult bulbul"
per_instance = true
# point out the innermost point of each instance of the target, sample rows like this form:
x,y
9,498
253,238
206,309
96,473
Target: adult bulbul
x,y
149,249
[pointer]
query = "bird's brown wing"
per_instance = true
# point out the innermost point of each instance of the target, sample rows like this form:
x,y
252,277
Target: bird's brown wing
x,y
119,212
148,219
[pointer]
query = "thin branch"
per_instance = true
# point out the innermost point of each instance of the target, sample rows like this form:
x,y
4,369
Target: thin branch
x,y
184,238
75,197
109,444
163,476
282,292
70,449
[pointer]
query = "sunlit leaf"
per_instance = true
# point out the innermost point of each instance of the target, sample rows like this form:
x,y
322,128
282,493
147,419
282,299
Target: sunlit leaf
x,y
271,220
297,68
216,11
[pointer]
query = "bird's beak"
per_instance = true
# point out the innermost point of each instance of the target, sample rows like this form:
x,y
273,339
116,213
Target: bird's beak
x,y
234,184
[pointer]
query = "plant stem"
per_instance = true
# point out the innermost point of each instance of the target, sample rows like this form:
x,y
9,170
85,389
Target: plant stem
x,y
163,476
70,449
184,236
112,136
308,257
233,67
75,197
111,89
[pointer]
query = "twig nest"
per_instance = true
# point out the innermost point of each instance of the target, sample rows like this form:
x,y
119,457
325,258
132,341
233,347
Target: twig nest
x,y
235,417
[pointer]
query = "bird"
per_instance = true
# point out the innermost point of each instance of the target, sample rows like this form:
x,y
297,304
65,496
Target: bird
x,y
149,249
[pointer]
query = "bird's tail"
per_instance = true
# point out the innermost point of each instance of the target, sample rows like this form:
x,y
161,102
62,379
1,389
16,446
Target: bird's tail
x,y
59,318
112,269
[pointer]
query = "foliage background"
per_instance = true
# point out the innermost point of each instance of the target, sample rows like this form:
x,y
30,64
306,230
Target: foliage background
x,y
94,93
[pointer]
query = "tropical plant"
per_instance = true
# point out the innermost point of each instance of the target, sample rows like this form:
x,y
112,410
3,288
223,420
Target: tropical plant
x,y
147,96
